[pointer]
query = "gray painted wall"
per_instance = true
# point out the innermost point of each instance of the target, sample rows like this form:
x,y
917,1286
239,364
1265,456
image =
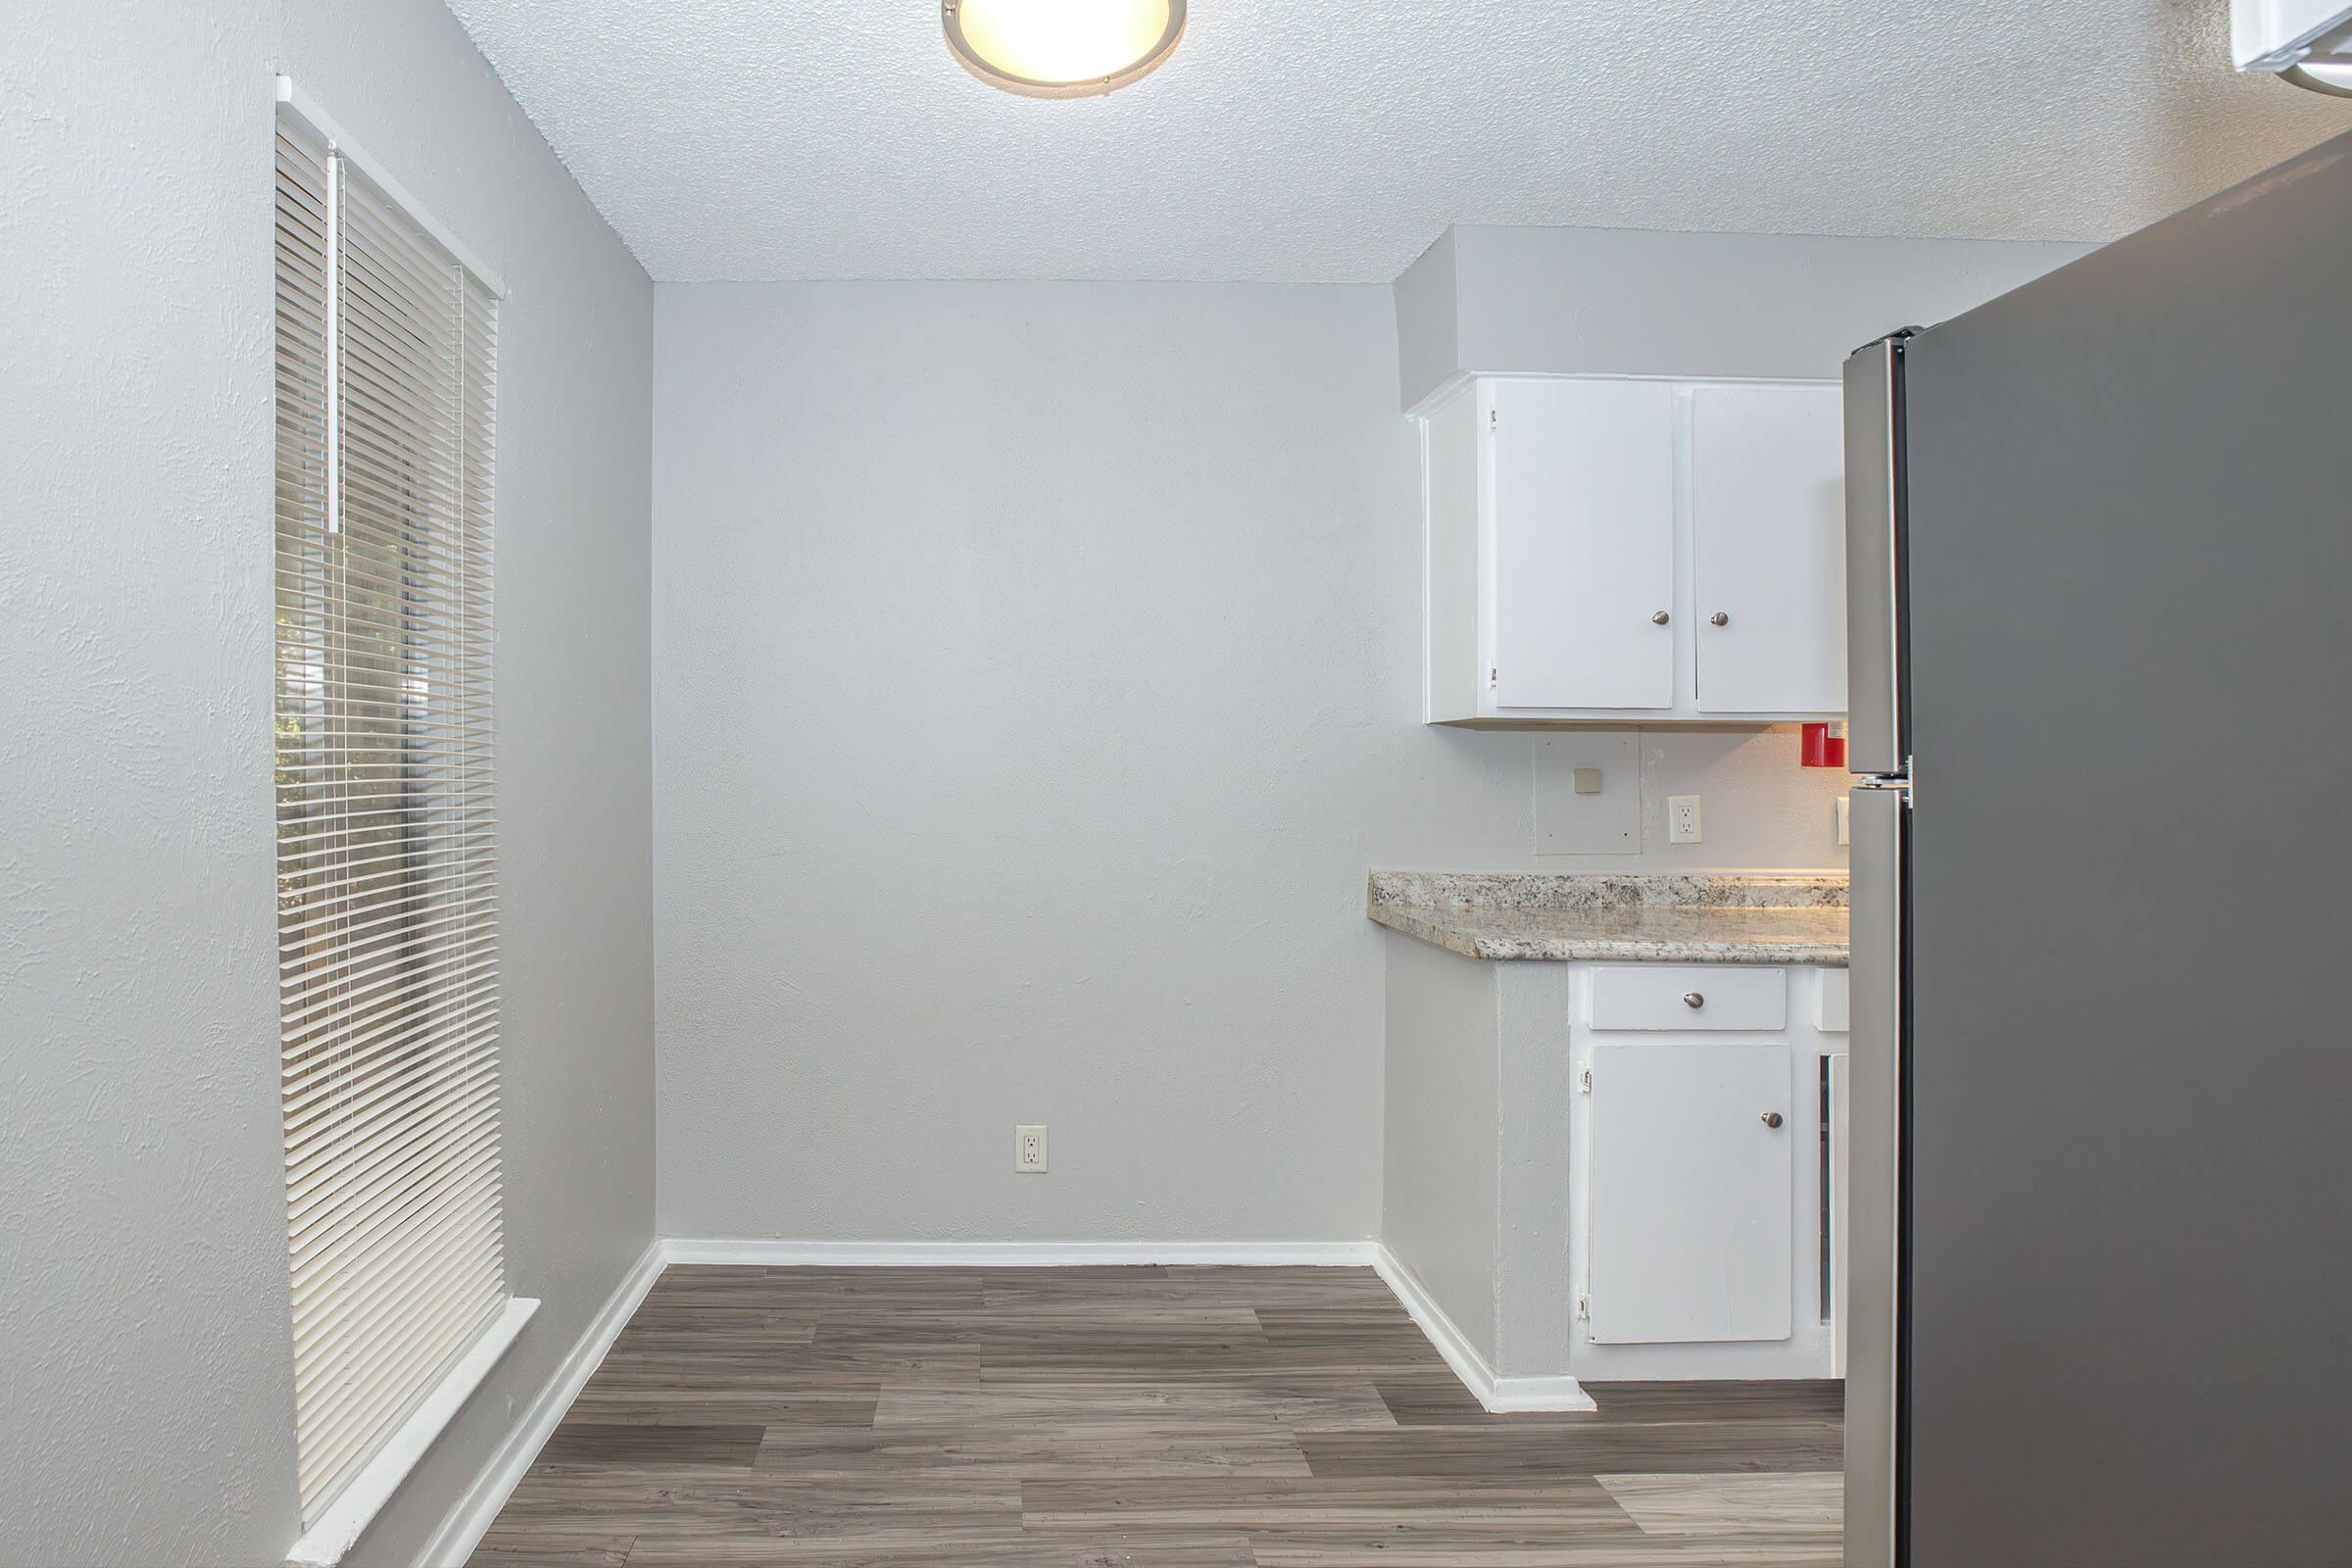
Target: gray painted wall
x,y
1442,1137
1476,1163
147,1362
1031,699
1535,1304
1429,339
1499,300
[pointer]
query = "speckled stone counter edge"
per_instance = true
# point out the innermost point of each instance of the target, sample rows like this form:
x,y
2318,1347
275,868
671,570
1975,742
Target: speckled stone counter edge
x,y
1605,890
1698,918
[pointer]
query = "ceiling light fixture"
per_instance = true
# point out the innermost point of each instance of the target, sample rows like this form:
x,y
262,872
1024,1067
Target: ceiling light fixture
x,y
2329,76
1061,48
2308,42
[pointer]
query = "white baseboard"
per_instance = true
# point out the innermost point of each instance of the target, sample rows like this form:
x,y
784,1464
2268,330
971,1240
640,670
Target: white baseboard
x,y
1511,1394
757,1254
467,1523
1500,1395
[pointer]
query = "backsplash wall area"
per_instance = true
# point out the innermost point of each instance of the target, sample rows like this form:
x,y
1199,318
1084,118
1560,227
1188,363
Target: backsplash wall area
x,y
1759,809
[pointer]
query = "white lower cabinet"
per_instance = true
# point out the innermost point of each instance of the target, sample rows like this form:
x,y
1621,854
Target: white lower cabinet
x,y
1584,1179
1694,1164
1702,1236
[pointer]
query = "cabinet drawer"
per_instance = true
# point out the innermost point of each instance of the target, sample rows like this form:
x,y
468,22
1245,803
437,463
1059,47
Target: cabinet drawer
x,y
1686,997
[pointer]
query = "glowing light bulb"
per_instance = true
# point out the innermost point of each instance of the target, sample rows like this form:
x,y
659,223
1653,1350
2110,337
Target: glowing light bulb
x,y
1061,48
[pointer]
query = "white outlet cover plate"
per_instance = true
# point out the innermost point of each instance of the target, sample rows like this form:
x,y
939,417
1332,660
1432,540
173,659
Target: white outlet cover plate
x,y
1029,1150
1682,825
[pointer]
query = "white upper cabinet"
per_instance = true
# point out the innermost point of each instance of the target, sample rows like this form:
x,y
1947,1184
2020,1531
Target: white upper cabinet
x,y
1582,502
1579,529
1768,548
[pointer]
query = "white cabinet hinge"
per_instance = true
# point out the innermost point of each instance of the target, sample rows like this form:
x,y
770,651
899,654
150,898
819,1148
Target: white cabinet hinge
x,y
1494,673
1584,1309
1583,1082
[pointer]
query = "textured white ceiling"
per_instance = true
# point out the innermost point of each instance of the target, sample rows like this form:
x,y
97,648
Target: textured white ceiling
x,y
1295,139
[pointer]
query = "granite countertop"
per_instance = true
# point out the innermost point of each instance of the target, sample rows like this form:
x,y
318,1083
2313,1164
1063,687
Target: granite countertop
x,y
1617,917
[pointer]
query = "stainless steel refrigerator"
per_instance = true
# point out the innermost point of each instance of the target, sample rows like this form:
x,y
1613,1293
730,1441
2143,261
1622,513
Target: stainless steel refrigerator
x,y
2099,539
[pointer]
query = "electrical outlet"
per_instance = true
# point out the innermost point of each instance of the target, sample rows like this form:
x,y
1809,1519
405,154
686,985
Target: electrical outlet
x,y
1029,1150
1682,820
1844,834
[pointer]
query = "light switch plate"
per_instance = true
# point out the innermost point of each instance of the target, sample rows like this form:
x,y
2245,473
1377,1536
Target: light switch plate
x,y
1573,820
1844,833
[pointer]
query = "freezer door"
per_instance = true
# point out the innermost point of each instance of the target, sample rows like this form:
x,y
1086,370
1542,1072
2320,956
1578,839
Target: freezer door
x,y
1876,738
1878,819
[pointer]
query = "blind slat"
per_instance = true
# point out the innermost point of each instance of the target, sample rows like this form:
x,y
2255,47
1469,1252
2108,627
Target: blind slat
x,y
323,1118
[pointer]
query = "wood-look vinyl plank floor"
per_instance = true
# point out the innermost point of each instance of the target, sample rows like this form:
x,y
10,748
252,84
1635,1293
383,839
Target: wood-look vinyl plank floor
x,y
1473,1452
527,1549
1132,1418
1296,1404
1788,1504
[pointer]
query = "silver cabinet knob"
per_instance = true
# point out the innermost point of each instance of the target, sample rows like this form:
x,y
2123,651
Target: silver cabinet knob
x,y
1719,619
1692,999
1772,1118
1660,619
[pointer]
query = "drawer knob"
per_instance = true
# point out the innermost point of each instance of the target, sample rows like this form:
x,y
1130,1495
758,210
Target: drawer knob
x,y
1719,619
1692,999
1660,619
1772,1118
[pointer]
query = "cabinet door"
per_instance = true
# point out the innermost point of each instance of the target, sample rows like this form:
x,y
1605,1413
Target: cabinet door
x,y
1583,513
1768,545
1693,1193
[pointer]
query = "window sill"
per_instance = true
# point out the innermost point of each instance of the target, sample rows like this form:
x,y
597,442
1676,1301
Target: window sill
x,y
325,1543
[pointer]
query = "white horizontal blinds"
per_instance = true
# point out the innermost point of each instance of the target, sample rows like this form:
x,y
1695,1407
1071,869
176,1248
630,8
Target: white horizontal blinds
x,y
387,868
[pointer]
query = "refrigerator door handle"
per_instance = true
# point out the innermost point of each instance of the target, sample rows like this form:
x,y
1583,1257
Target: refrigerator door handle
x,y
1879,821
1876,737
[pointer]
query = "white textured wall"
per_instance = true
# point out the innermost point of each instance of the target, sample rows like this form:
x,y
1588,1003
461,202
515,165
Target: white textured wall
x,y
147,1365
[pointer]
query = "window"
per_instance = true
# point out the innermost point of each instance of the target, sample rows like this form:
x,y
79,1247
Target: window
x,y
387,868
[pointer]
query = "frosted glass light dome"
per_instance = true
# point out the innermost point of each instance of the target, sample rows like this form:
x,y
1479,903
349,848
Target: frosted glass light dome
x,y
2330,77
1061,48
